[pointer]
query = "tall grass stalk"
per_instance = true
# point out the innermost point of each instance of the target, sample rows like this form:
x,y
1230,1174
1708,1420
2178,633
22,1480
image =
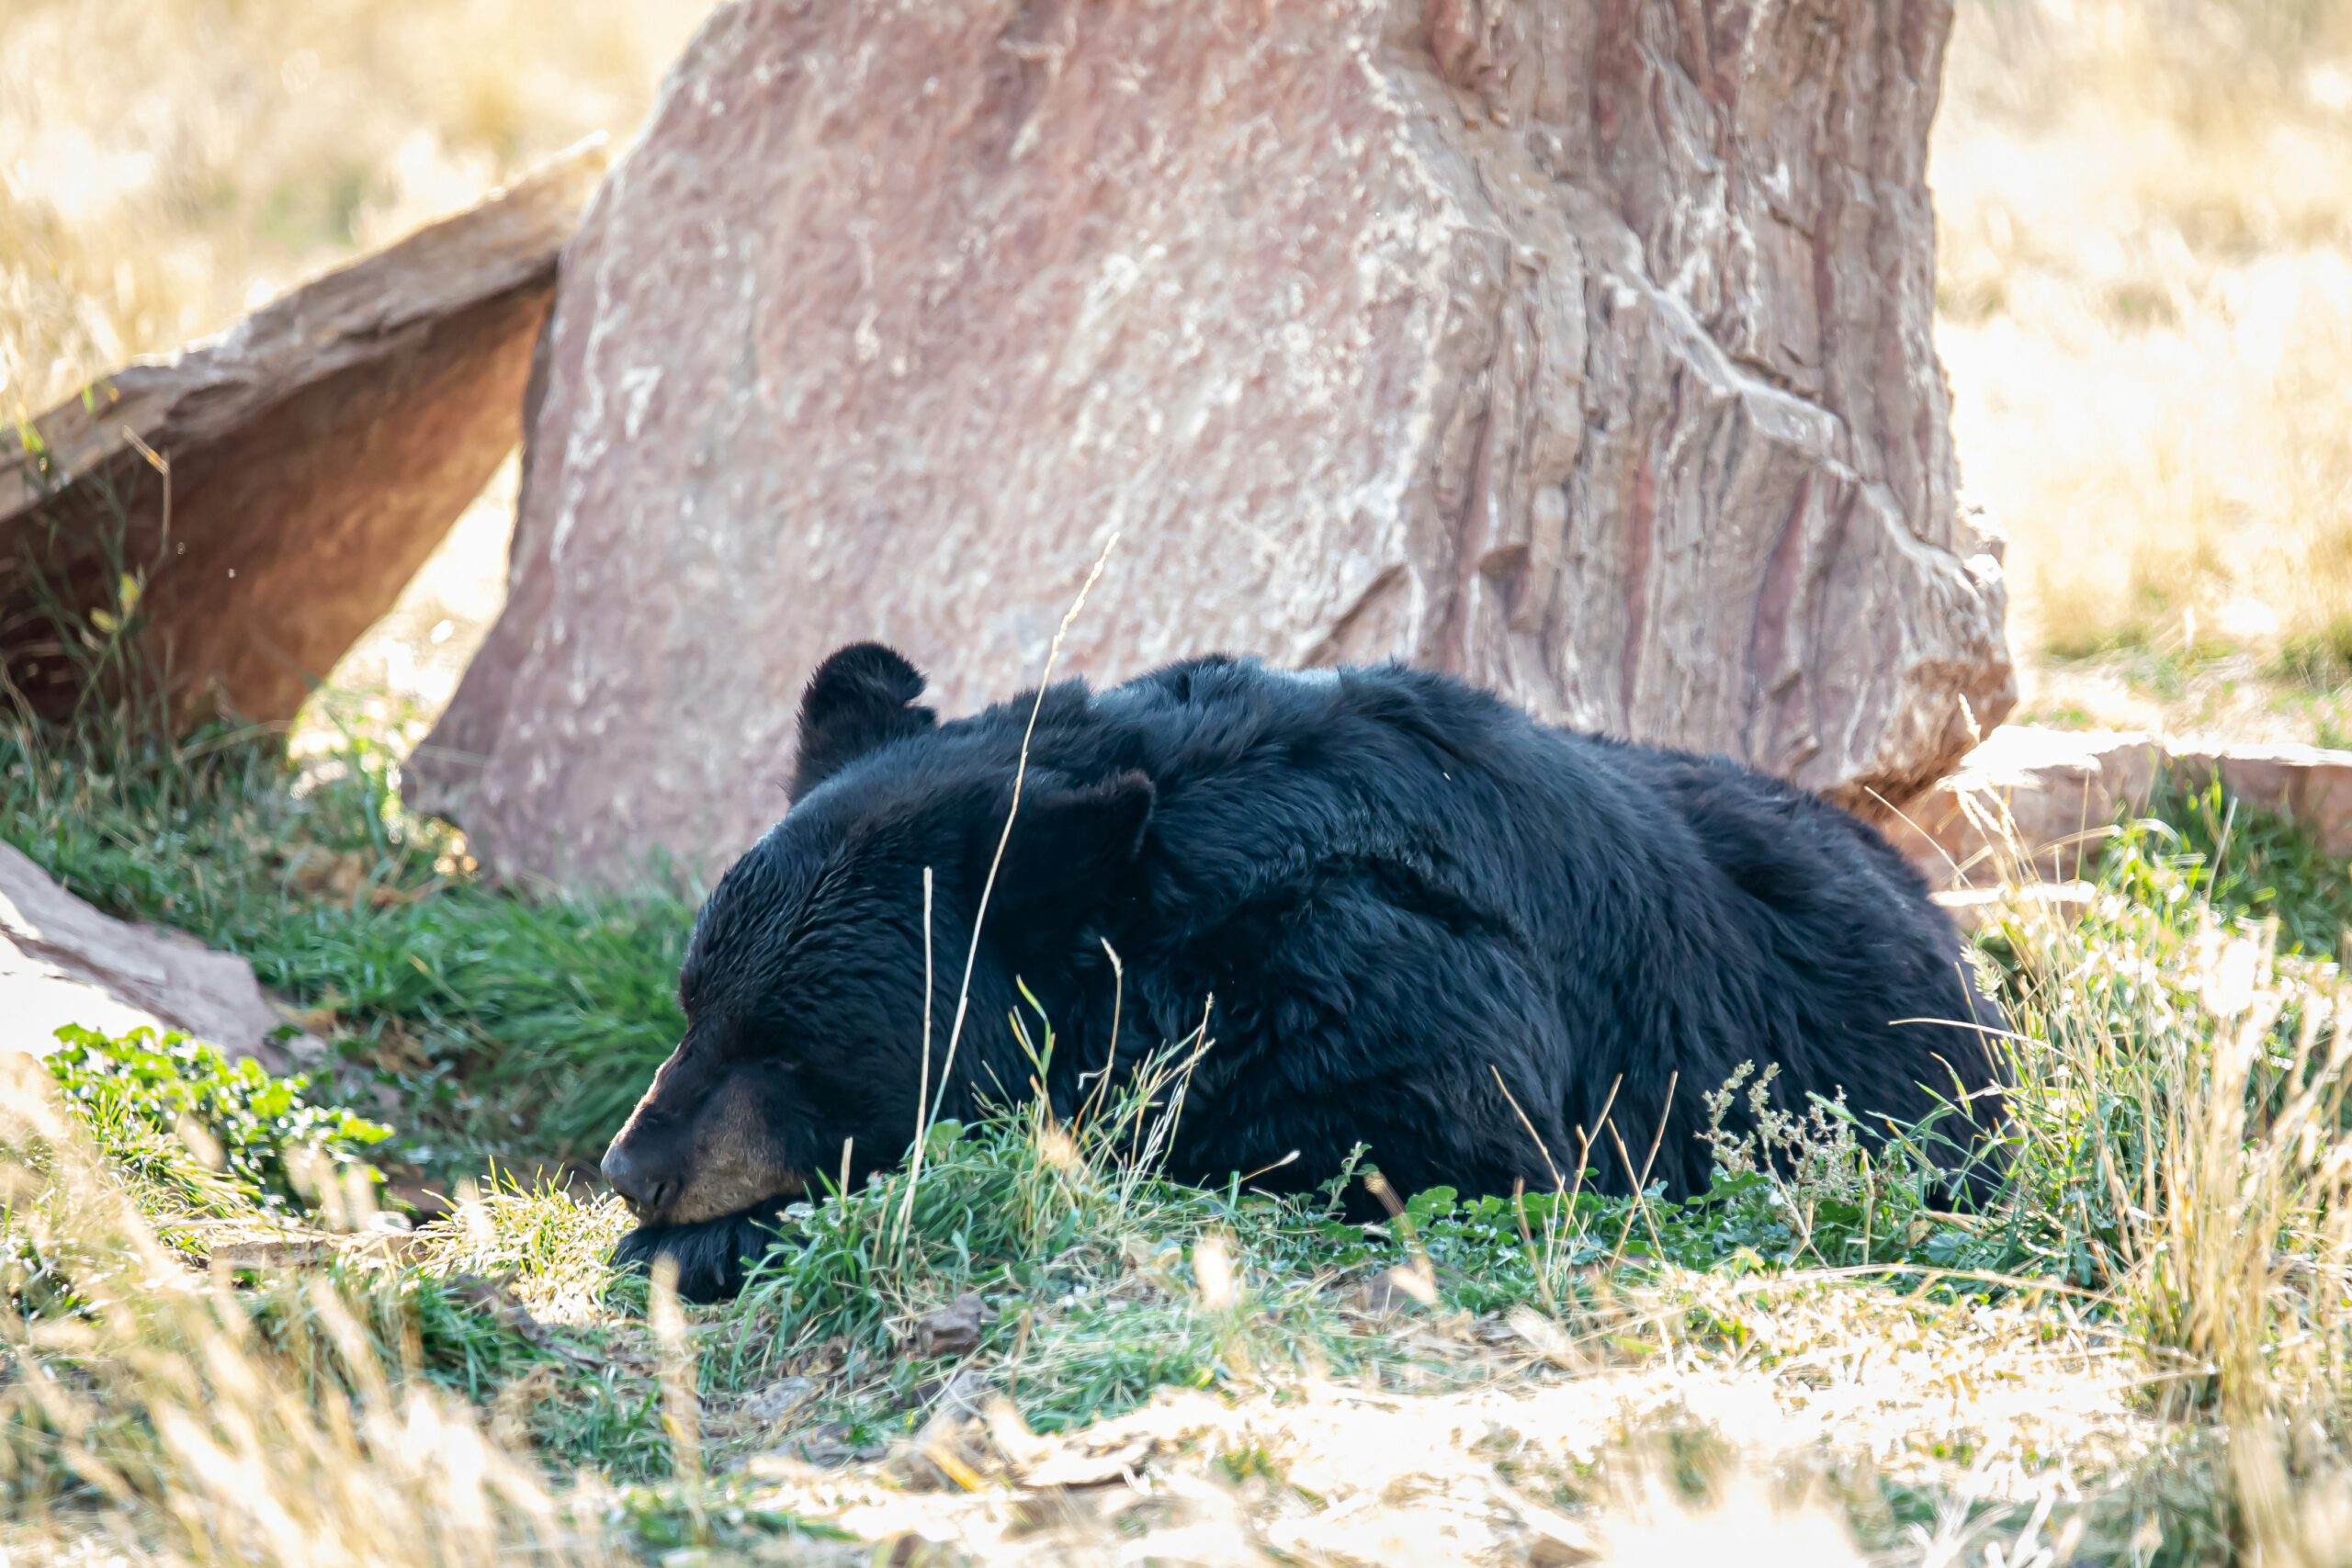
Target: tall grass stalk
x,y
923,1116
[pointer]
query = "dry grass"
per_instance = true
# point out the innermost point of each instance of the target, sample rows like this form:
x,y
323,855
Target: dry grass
x,y
166,167
2145,272
162,1422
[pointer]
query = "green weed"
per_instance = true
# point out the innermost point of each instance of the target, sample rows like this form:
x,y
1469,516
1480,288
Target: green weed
x,y
262,1131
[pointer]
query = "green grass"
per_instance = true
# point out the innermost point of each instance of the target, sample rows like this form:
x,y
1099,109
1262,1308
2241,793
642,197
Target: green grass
x,y
2202,846
466,999
2320,660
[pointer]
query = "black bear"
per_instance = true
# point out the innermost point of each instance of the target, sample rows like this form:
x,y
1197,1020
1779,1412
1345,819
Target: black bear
x,y
1394,893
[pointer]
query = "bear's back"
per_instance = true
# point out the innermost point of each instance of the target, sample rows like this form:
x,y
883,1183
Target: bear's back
x,y
1381,865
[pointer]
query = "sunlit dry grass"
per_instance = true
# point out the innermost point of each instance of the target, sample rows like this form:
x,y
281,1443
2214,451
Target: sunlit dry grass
x,y
158,1423
165,167
2145,277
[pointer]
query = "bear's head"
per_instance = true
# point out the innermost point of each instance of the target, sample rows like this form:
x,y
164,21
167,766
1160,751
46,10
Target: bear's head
x,y
807,1016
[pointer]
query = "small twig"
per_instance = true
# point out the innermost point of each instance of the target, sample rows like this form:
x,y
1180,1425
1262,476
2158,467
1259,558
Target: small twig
x,y
1641,1182
1543,1270
1093,1102
1552,1227
922,1090
1184,1075
1558,1184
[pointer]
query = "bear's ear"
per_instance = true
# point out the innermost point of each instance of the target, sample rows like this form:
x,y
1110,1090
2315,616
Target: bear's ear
x,y
859,698
1068,846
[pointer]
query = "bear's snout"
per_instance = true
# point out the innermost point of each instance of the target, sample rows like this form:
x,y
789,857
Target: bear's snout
x,y
700,1145
645,1190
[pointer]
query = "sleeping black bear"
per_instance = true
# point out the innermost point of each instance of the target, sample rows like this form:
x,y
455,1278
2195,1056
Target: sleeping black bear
x,y
1392,892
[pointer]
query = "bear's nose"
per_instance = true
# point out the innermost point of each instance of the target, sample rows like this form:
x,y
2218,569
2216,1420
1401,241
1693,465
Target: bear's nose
x,y
647,1193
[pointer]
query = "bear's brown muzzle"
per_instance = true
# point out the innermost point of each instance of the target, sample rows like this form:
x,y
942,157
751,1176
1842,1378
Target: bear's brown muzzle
x,y
718,1160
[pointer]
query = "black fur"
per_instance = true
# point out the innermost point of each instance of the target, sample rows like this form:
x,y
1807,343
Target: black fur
x,y
1395,888
711,1257
860,697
